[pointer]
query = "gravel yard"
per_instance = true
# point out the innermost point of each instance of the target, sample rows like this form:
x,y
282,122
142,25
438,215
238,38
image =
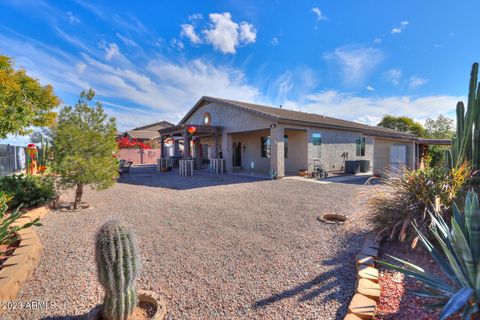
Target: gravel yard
x,y
216,247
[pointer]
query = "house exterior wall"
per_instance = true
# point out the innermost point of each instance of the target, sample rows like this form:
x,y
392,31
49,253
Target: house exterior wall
x,y
382,154
230,118
336,147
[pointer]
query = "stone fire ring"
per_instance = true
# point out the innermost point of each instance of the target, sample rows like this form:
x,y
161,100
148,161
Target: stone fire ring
x,y
143,296
332,218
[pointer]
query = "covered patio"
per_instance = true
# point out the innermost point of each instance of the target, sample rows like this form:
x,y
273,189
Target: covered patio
x,y
191,147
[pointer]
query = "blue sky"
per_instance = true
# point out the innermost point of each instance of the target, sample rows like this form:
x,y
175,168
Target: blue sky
x,y
152,60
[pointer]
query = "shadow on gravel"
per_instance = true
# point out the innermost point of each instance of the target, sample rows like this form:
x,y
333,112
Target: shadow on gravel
x,y
147,175
80,317
336,284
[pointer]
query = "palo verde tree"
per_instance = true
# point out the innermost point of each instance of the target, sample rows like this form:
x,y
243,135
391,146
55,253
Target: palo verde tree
x,y
24,102
84,144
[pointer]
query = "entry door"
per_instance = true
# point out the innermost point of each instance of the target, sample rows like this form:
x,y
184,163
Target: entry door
x,y
237,154
398,157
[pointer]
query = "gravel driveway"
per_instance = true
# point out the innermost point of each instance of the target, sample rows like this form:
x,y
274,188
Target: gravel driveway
x,y
216,247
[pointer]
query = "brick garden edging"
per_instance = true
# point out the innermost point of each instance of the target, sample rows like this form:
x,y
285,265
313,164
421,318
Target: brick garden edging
x,y
367,289
21,264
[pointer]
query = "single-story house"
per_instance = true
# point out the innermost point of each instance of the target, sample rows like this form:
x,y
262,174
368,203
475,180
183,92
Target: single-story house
x,y
261,138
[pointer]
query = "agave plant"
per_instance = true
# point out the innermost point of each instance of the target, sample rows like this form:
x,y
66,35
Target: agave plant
x,y
8,233
460,262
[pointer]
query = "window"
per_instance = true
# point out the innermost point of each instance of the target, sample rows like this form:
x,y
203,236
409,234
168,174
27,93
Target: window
x,y
266,146
316,138
360,146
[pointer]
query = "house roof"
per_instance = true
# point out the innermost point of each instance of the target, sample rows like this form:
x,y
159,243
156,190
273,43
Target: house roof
x,y
298,117
143,134
155,126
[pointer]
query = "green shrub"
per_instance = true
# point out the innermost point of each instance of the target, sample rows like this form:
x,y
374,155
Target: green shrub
x,y
407,196
7,232
28,191
459,260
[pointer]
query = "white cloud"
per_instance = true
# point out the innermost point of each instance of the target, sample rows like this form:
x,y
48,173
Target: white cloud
x,y
81,67
248,34
370,88
226,35
416,81
177,44
188,30
72,19
126,41
356,62
403,25
274,41
319,14
377,40
393,75
111,50
196,16
369,110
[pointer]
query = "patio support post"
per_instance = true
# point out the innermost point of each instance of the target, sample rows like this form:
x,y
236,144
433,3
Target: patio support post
x,y
162,146
186,145
277,151
197,146
176,148
215,138
227,151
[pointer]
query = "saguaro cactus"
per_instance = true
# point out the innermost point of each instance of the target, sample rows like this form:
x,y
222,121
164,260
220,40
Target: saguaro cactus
x,y
466,145
118,263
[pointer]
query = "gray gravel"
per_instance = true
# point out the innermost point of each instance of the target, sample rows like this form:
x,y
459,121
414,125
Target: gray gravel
x,y
216,247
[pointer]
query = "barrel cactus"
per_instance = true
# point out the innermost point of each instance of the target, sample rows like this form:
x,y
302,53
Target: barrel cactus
x,y
118,264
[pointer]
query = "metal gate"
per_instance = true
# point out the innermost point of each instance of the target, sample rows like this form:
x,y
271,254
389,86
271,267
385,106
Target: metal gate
x,y
12,159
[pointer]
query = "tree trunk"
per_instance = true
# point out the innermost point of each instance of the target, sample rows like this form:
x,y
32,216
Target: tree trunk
x,y
78,196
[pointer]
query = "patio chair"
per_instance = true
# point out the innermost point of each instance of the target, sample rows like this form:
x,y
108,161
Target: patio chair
x,y
319,170
125,170
121,163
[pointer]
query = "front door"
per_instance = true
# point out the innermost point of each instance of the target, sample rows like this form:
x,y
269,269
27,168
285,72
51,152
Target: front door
x,y
398,157
237,154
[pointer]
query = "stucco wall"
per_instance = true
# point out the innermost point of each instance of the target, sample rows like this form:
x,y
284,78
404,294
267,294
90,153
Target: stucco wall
x,y
382,154
336,147
230,118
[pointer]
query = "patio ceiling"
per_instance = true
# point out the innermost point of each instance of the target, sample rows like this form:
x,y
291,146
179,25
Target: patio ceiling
x,y
181,129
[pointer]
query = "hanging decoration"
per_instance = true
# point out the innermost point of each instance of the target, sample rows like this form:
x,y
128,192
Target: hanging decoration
x,y
191,129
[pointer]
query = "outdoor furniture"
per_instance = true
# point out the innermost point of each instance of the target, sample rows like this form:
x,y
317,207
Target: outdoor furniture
x,y
217,166
125,170
186,167
164,164
121,163
319,170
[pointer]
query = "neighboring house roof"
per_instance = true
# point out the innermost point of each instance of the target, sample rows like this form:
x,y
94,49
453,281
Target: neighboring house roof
x,y
142,134
298,117
155,126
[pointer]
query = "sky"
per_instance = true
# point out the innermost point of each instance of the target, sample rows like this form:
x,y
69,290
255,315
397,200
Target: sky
x,y
152,60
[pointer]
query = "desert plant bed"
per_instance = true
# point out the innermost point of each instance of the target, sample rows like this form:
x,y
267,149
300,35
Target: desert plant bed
x,y
396,299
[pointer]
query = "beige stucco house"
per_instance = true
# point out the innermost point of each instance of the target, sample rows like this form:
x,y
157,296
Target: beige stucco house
x,y
260,138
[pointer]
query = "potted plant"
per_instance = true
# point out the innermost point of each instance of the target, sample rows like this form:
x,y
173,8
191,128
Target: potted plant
x,y
118,264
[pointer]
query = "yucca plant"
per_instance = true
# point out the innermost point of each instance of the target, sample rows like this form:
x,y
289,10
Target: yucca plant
x,y
459,260
8,234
